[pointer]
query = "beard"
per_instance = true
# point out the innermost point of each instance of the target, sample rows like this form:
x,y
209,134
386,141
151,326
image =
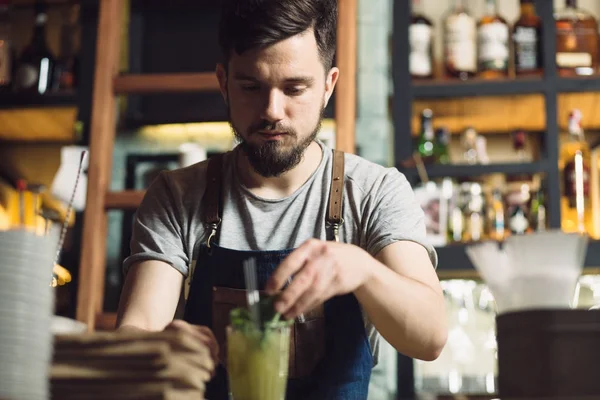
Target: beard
x,y
272,158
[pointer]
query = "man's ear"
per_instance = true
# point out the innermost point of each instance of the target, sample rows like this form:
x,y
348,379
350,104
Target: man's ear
x,y
222,77
330,82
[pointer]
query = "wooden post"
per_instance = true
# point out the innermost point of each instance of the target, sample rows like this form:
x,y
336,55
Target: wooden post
x,y
93,260
345,98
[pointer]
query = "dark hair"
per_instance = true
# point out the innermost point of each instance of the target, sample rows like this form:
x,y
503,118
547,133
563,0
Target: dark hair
x,y
254,24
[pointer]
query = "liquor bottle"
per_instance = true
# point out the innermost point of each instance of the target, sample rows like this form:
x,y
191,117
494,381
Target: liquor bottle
x,y
492,41
527,41
519,141
574,163
421,43
460,42
442,141
576,41
474,212
497,229
35,70
456,220
518,220
538,210
425,145
469,145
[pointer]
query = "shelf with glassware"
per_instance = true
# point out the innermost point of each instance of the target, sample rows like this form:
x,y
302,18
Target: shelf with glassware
x,y
487,54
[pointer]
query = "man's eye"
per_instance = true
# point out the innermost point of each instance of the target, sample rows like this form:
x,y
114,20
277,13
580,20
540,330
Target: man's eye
x,y
295,91
249,88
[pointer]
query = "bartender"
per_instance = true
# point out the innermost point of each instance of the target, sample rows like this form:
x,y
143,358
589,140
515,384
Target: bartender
x,y
338,238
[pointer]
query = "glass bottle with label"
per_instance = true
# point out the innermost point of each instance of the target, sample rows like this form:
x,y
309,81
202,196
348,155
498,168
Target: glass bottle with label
x,y
473,212
538,210
576,41
35,70
469,145
574,163
492,40
421,43
519,141
497,229
460,42
442,141
425,146
456,222
527,41
518,219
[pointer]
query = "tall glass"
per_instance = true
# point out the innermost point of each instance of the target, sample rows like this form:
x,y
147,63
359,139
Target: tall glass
x,y
257,362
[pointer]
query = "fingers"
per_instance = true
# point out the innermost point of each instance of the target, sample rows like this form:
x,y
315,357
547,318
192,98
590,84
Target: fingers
x,y
204,335
309,288
302,283
293,263
210,340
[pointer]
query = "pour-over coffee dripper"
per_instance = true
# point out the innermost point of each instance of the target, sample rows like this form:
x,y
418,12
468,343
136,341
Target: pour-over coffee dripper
x,y
534,271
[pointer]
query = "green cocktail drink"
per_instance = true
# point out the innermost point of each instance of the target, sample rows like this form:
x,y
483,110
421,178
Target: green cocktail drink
x,y
257,357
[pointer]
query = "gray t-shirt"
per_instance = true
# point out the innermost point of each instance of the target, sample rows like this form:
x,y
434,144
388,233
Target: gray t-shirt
x,y
379,208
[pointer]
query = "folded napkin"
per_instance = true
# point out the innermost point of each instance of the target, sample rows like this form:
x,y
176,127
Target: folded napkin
x,y
129,366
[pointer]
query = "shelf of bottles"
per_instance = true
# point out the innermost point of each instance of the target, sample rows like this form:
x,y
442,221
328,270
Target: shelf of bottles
x,y
467,194
468,199
35,76
490,55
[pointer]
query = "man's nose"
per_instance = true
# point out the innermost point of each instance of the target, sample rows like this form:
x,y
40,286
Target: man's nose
x,y
274,108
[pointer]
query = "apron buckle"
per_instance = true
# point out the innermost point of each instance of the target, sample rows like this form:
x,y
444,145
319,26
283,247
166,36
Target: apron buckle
x,y
336,229
213,232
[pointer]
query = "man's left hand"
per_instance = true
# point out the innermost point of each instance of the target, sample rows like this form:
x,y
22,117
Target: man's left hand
x,y
320,270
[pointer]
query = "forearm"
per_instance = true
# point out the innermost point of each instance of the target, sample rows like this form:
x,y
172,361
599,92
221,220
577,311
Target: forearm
x,y
130,329
409,314
149,297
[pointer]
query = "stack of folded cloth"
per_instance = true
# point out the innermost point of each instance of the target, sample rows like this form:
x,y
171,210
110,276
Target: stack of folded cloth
x,y
131,366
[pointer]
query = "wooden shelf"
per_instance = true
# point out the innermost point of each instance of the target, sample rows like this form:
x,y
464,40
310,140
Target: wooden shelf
x,y
579,84
125,200
10,100
437,89
161,83
458,171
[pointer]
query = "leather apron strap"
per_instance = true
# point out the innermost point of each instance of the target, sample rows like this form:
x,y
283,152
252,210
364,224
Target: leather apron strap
x,y
336,194
212,204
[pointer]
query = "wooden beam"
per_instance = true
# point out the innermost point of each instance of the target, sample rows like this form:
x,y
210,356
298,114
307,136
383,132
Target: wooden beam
x,y
125,200
161,83
93,252
345,98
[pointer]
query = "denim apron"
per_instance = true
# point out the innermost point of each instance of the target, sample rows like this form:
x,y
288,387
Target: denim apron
x,y
334,362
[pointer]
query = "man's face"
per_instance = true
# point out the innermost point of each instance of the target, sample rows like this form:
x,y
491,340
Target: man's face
x,y
275,98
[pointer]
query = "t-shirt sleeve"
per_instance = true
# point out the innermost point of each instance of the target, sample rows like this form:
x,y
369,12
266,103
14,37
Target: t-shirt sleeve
x,y
157,229
395,215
